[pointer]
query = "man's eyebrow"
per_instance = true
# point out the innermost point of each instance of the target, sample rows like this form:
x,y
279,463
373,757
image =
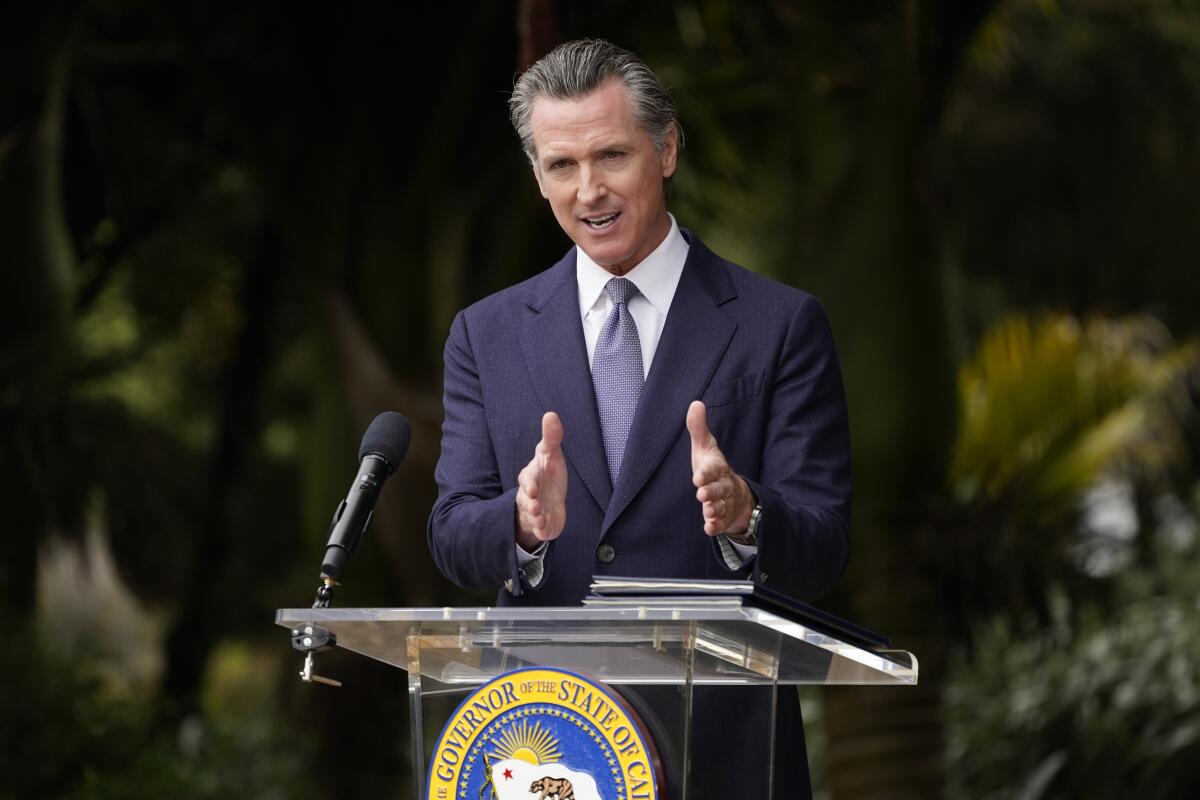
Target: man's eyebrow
x,y
624,146
621,145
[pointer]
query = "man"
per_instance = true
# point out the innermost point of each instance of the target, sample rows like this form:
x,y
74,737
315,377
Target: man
x,y
685,417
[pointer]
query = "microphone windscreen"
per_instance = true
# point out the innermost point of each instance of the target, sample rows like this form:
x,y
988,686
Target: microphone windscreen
x,y
388,436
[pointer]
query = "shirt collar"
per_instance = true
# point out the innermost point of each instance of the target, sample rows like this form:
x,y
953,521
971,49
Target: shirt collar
x,y
656,276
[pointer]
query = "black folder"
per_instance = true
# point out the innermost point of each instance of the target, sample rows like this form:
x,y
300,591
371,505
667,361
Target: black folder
x,y
614,590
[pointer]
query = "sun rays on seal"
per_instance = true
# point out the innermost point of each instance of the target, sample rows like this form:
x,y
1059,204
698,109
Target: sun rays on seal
x,y
529,743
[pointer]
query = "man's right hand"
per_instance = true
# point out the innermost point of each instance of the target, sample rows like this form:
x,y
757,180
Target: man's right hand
x,y
542,489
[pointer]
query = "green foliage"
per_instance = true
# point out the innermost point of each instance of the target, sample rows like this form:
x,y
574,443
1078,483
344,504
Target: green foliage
x,y
1060,695
1070,154
68,733
226,175
1048,405
1103,705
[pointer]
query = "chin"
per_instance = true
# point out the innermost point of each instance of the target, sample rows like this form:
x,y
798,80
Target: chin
x,y
608,253
618,265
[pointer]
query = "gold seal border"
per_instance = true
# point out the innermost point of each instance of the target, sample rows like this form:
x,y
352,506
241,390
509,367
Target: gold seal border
x,y
588,698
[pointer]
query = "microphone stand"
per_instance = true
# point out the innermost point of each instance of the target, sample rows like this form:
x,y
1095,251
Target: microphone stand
x,y
383,447
311,638
325,592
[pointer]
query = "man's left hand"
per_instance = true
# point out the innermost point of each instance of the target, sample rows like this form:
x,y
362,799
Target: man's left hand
x,y
726,500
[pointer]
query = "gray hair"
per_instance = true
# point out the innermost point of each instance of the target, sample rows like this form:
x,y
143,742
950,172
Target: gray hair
x,y
574,69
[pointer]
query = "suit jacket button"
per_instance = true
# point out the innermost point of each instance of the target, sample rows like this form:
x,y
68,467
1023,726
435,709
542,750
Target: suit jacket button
x,y
605,553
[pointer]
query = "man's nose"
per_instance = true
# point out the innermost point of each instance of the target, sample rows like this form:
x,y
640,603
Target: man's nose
x,y
591,186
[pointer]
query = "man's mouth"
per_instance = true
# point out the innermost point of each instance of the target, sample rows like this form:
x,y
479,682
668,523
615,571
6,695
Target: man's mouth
x,y
599,223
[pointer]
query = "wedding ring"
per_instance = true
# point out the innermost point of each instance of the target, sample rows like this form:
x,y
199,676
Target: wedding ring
x,y
723,507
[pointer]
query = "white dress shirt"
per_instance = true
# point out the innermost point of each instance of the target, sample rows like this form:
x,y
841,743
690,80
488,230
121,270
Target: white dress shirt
x,y
656,277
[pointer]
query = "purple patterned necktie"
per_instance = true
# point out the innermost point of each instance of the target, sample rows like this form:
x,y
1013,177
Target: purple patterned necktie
x,y
617,373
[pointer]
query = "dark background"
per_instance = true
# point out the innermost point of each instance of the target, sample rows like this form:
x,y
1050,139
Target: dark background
x,y
232,233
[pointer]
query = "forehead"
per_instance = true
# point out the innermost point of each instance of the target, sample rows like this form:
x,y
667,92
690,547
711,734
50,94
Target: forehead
x,y
603,113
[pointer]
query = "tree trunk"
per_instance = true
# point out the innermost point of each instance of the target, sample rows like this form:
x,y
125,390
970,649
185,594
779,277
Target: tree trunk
x,y
39,282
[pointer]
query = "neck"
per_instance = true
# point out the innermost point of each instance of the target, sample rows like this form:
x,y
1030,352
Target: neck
x,y
654,239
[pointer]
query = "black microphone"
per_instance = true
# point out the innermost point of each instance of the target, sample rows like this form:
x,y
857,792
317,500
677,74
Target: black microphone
x,y
384,446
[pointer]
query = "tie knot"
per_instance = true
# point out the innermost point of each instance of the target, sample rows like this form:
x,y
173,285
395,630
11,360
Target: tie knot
x,y
621,290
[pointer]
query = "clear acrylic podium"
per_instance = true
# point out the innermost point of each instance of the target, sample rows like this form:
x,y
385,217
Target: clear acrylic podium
x,y
652,654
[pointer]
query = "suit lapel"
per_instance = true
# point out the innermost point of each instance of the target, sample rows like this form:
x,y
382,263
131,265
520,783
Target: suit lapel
x,y
694,339
554,350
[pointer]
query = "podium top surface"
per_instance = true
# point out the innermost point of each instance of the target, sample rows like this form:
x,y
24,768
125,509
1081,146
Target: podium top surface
x,y
699,642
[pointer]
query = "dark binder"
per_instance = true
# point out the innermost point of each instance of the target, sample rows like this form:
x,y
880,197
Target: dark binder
x,y
608,590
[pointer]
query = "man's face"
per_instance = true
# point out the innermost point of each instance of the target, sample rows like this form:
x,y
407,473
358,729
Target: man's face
x,y
602,175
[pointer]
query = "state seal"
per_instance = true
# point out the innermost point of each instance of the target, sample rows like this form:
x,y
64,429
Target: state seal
x,y
543,734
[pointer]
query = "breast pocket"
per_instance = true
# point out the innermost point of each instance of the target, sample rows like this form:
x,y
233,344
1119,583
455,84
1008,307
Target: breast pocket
x,y
726,392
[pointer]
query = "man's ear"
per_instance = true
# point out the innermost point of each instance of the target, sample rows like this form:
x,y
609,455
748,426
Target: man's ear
x,y
670,152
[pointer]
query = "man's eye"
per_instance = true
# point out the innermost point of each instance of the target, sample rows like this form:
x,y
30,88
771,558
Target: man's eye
x,y
611,154
560,164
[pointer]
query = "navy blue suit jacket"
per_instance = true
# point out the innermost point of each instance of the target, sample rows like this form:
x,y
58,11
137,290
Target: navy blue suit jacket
x,y
761,356
758,353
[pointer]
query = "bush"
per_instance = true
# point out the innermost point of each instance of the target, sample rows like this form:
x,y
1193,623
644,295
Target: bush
x,y
1102,706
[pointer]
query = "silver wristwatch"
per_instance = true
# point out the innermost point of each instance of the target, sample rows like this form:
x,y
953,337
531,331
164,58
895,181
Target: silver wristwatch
x,y
748,537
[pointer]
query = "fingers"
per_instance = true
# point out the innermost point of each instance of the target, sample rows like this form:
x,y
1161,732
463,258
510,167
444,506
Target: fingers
x,y
527,481
534,517
715,490
552,434
711,470
715,498
724,500
718,515
697,425
552,438
542,486
720,491
530,510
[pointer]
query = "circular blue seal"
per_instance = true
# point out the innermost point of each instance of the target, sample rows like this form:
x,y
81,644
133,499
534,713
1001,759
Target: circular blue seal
x,y
542,734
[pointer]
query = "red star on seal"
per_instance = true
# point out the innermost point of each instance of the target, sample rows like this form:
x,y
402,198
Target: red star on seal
x,y
508,774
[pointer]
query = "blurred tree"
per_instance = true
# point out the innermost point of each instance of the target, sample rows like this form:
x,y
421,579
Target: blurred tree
x,y
237,231
810,139
1070,157
1047,410
1064,693
834,148
1095,704
39,276
68,734
275,215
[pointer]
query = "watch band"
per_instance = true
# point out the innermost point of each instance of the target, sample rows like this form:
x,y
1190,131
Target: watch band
x,y
749,536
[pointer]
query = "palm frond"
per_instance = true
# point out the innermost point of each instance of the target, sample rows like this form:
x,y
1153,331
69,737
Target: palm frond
x,y
1049,404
